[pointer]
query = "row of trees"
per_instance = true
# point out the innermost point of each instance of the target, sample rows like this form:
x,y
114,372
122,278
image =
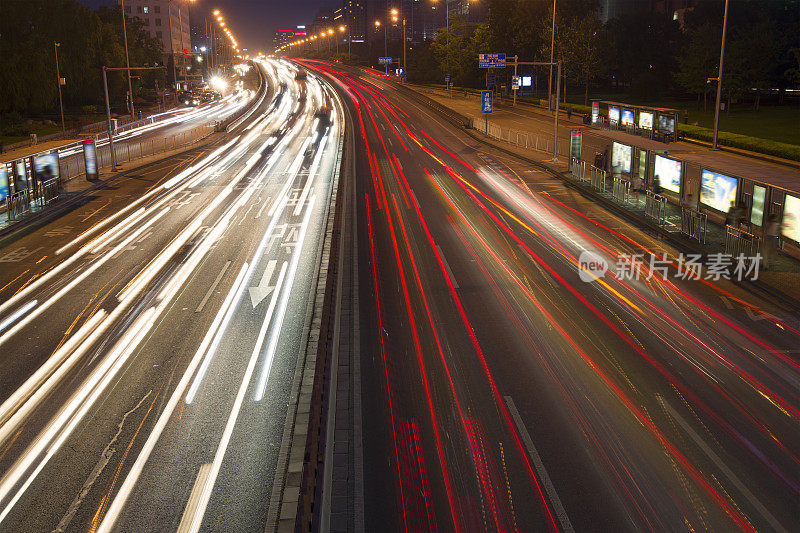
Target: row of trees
x,y
89,39
643,52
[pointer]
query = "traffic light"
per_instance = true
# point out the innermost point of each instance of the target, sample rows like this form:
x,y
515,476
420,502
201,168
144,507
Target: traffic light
x,y
186,53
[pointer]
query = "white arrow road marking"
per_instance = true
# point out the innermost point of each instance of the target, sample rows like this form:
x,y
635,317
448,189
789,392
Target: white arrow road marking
x,y
263,289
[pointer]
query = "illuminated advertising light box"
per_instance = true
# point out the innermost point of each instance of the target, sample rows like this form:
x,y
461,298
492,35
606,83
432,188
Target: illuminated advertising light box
x,y
45,166
717,191
791,218
3,182
20,175
645,120
526,81
613,115
90,159
757,211
621,157
595,112
666,124
669,173
627,117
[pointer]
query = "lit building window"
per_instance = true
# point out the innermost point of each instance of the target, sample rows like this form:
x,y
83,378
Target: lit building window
x,y
146,9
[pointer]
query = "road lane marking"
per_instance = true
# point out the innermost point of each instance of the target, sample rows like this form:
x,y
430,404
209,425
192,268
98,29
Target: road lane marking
x,y
539,465
263,289
213,286
194,498
447,267
755,502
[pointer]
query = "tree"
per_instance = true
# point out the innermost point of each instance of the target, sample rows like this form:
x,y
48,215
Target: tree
x,y
699,60
582,50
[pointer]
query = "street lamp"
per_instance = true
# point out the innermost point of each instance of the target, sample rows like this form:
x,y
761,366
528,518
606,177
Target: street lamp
x,y
58,82
719,77
552,48
127,58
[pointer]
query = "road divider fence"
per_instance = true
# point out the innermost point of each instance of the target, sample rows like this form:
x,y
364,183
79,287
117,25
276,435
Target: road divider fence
x,y
694,224
655,207
621,190
740,242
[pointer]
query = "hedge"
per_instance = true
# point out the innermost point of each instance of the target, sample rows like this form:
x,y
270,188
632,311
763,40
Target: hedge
x,y
745,142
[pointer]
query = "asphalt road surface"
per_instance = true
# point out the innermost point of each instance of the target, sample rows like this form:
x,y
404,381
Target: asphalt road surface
x,y
502,388
150,336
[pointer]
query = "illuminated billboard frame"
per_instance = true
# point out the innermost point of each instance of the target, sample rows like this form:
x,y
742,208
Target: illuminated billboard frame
x,y
646,120
718,191
621,157
790,225
613,115
669,172
757,209
627,117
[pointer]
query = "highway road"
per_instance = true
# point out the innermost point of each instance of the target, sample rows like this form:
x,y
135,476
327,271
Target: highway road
x,y
150,337
501,388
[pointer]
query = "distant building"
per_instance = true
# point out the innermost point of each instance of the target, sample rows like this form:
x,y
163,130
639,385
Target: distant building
x,y
282,37
165,20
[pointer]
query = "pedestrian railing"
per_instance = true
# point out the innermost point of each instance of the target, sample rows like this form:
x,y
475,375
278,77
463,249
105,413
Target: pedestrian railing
x,y
694,224
48,191
740,242
577,168
597,178
621,190
523,139
19,204
655,207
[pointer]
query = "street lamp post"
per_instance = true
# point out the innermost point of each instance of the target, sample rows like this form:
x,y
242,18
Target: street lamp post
x,y
127,58
552,49
719,77
58,82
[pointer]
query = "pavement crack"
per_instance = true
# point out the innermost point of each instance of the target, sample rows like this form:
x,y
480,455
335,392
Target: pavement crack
x,y
105,457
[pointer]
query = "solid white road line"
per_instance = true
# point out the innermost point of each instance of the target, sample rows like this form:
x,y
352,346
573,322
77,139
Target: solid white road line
x,y
549,488
213,286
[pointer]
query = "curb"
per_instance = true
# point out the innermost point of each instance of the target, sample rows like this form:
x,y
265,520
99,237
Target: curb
x,y
296,482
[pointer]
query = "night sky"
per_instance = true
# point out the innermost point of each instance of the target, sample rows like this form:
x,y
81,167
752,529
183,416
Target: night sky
x,y
253,22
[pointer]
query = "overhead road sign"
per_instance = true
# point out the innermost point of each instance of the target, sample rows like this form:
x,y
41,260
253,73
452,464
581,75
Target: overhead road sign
x,y
384,60
491,60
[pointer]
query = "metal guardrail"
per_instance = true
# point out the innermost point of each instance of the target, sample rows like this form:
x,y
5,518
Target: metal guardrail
x,y
577,168
739,242
694,224
49,191
655,207
18,204
597,178
621,190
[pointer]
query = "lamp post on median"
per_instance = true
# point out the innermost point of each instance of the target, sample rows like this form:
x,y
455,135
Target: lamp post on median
x,y
58,82
719,77
127,57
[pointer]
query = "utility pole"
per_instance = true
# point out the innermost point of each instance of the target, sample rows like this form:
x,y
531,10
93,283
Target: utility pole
x,y
405,69
552,48
58,82
127,58
719,77
555,127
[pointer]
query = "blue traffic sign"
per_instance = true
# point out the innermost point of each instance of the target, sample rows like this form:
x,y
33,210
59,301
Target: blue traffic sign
x,y
384,60
486,101
491,60
446,78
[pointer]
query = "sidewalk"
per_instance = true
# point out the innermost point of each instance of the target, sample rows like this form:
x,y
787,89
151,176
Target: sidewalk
x,y
527,117
25,151
782,280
